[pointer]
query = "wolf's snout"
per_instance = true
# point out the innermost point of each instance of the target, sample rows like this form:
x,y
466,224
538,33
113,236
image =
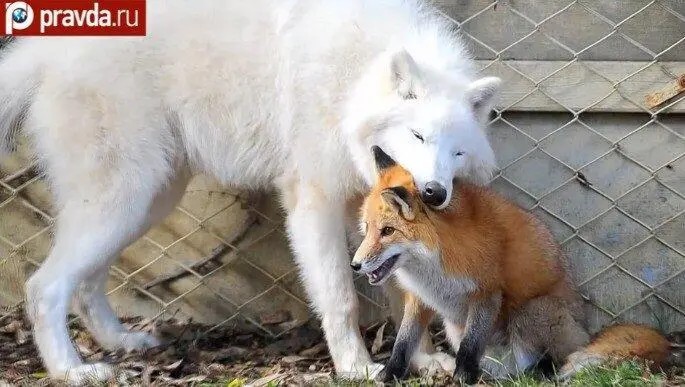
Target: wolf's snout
x,y
355,266
434,194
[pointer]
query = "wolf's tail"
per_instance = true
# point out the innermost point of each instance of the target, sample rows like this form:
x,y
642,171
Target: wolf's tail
x,y
18,80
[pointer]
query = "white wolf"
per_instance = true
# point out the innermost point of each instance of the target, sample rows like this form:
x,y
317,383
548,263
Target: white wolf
x,y
265,93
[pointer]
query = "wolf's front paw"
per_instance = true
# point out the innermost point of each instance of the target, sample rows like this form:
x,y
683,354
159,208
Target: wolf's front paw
x,y
133,341
369,371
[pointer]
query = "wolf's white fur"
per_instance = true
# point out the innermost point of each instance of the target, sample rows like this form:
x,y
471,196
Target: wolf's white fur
x,y
265,93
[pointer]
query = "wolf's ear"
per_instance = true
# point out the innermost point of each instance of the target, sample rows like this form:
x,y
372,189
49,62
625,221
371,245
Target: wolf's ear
x,y
405,75
482,95
398,197
383,160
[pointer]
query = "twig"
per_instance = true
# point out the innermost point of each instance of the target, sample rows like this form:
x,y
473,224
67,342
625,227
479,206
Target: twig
x,y
215,255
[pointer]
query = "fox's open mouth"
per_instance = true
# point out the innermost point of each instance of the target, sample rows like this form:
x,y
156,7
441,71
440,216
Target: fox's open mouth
x,y
382,271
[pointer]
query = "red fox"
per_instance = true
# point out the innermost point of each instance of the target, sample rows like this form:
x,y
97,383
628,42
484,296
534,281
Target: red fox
x,y
629,341
490,269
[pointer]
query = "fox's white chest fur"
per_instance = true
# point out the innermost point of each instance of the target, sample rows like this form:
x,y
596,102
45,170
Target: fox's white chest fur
x,y
444,293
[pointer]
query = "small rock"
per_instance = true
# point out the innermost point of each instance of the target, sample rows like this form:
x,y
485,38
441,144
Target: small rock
x,y
312,368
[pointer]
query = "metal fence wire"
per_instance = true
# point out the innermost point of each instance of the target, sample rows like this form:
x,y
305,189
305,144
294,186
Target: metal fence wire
x,y
581,140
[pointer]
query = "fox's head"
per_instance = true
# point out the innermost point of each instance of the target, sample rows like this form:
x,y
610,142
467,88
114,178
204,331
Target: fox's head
x,y
394,222
428,116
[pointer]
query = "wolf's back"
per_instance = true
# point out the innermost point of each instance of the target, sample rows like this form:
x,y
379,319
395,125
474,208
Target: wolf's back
x,y
19,64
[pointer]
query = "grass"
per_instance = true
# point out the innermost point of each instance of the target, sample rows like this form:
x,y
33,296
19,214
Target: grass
x,y
626,374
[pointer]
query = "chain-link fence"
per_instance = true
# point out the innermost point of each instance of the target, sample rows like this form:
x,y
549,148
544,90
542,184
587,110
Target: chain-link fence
x,y
582,137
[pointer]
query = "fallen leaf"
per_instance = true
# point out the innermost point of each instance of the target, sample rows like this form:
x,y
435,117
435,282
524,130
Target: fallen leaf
x,y
173,365
292,359
267,380
313,351
378,340
11,327
22,336
40,375
236,383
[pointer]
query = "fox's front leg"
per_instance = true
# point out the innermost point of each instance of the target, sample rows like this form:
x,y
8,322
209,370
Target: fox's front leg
x,y
479,322
414,322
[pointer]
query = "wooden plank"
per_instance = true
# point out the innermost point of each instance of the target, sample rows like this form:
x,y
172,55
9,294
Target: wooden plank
x,y
586,86
659,97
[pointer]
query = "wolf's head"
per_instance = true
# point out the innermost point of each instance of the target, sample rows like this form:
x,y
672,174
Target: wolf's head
x,y
429,120
394,222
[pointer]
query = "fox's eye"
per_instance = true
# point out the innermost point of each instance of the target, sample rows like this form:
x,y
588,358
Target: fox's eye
x,y
459,153
417,135
385,231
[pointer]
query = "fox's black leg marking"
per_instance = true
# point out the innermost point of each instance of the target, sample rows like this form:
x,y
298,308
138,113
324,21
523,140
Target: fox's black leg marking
x,y
406,343
468,359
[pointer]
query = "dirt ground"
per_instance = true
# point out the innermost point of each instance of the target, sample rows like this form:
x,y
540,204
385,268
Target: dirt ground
x,y
194,354
240,354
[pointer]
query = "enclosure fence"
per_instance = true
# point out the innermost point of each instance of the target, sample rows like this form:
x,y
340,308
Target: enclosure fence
x,y
589,135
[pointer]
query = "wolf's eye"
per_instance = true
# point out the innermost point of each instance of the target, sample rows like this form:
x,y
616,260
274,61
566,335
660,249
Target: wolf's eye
x,y
417,135
459,153
385,231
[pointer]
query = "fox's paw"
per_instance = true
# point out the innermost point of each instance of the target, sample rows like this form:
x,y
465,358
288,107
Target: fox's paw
x,y
467,373
432,364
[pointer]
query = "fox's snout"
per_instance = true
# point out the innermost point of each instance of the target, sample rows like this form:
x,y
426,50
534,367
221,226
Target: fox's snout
x,y
359,262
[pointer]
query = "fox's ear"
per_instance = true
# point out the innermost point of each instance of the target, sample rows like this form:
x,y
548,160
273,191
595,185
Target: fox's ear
x,y
383,160
482,95
405,75
398,197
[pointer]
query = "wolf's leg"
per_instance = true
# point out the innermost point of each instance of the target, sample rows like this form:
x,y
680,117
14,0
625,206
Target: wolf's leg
x,y
425,359
317,233
91,302
88,235
105,180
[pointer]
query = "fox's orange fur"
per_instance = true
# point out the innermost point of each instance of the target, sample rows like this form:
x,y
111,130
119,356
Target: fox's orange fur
x,y
517,271
480,235
487,249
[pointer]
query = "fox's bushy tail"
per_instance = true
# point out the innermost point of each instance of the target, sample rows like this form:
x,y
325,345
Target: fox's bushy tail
x,y
628,342
18,80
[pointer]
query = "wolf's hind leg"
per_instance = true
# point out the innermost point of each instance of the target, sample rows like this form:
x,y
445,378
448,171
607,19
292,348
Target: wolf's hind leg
x,y
91,301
